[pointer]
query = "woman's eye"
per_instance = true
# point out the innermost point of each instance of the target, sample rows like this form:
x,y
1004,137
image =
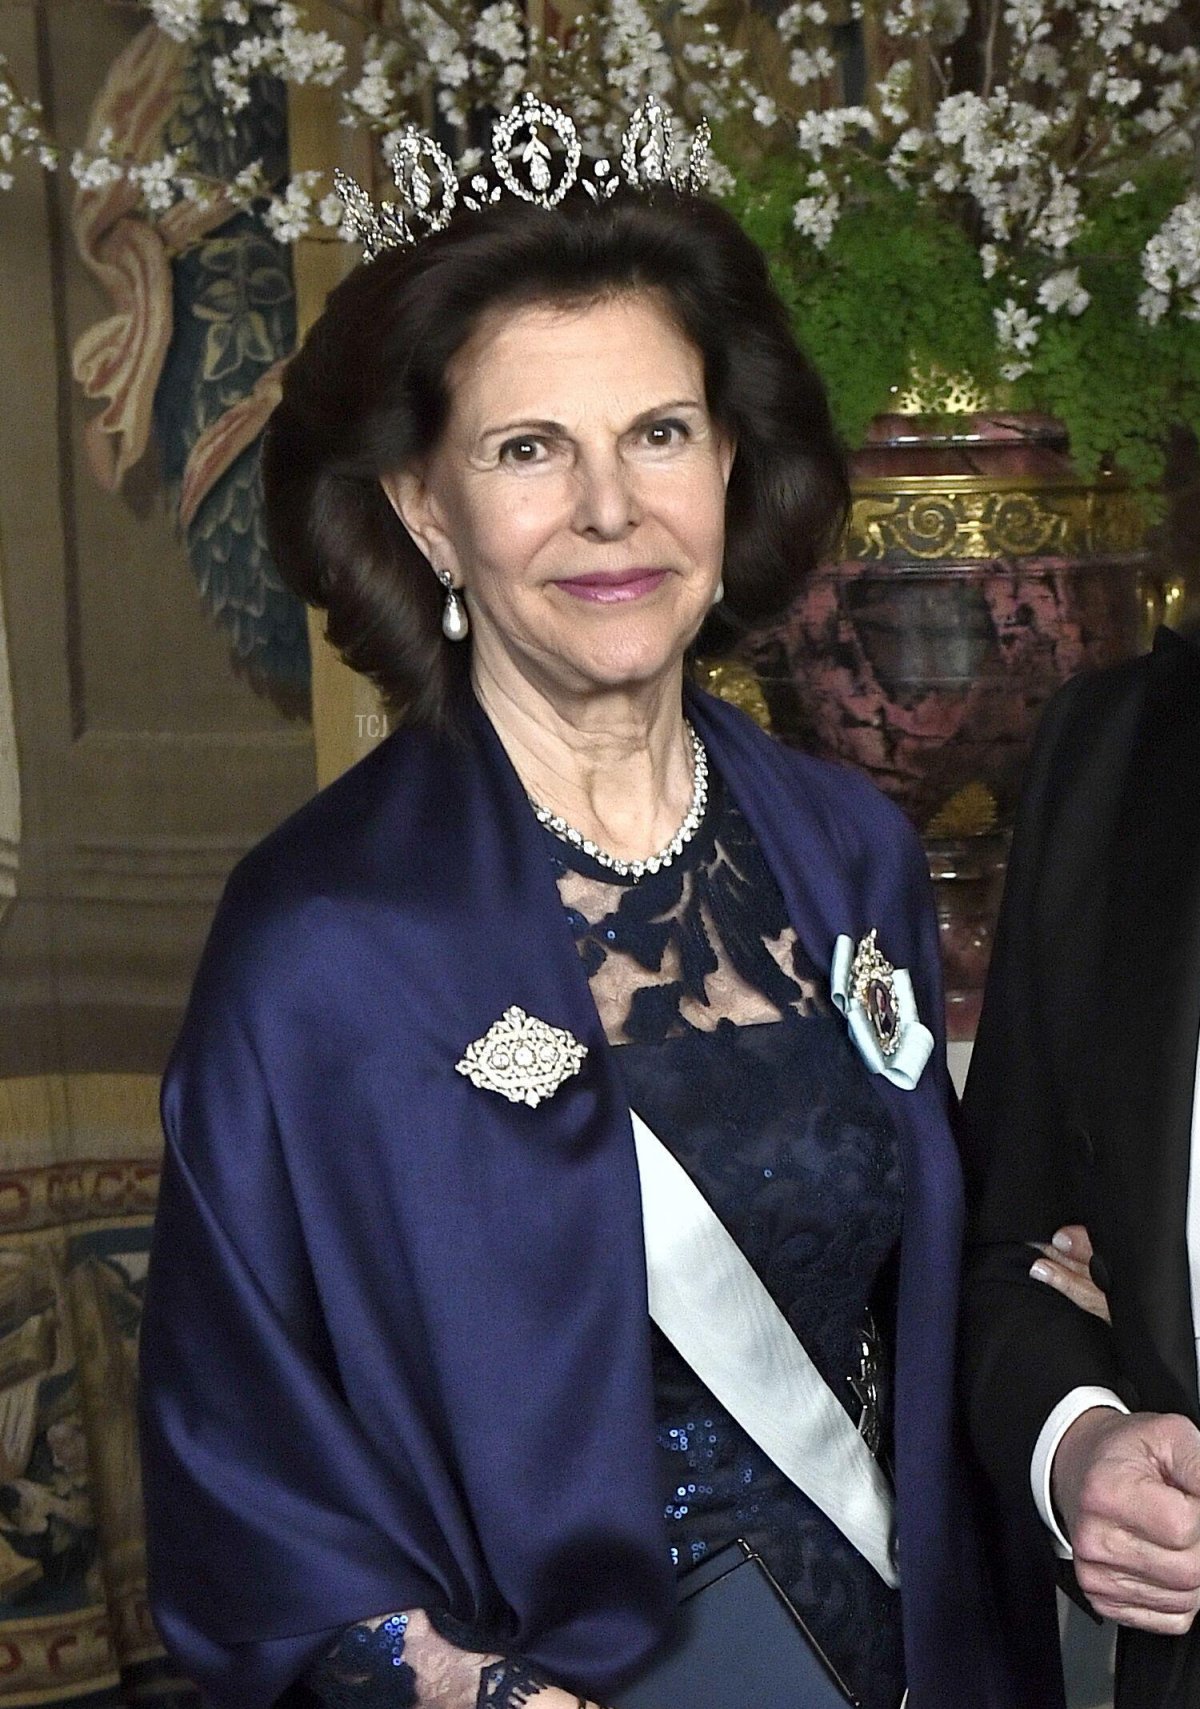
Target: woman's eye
x,y
666,433
522,450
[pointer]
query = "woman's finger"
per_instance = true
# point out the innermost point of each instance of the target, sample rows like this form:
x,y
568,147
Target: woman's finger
x,y
1074,1241
1074,1265
1071,1279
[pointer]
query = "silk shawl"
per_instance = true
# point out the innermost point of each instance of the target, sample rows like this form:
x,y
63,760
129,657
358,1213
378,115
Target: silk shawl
x,y
396,1348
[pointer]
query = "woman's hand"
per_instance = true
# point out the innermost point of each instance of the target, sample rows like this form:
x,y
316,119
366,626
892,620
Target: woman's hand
x,y
1064,1265
402,1659
555,1698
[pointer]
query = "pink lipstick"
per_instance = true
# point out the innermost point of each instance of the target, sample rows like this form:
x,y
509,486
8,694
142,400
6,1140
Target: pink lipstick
x,y
614,589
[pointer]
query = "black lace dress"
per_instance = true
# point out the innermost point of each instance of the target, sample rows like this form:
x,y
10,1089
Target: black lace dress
x,y
732,1052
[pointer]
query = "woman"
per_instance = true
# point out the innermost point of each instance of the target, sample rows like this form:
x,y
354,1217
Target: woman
x,y
409,1436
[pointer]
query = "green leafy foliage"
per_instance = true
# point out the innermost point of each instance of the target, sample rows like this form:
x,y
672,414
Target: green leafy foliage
x,y
1115,380
899,290
896,290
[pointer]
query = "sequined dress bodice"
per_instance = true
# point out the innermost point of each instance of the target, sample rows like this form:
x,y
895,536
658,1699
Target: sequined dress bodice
x,y
732,1052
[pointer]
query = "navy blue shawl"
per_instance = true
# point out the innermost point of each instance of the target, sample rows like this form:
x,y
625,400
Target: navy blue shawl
x,y
395,1350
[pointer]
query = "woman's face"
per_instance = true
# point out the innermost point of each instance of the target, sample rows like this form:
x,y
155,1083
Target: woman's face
x,y
577,494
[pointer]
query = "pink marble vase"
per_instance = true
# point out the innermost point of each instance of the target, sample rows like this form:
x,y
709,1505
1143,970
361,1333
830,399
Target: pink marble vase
x,y
979,574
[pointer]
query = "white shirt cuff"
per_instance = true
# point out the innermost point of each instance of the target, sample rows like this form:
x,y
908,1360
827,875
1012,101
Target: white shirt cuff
x,y
1069,1408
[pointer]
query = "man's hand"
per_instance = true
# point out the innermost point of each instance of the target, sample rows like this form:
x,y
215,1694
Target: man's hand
x,y
1128,1488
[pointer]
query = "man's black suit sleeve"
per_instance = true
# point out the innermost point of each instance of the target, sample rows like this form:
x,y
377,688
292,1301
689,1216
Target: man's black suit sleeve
x,y
1024,1345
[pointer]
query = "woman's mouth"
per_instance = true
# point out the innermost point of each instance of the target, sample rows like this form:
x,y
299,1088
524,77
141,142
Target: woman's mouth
x,y
616,588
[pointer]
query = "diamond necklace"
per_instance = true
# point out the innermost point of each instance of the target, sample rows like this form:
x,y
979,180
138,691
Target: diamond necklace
x,y
635,868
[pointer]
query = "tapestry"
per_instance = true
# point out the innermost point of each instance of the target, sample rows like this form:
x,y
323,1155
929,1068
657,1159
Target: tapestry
x,y
153,727
74,1622
190,360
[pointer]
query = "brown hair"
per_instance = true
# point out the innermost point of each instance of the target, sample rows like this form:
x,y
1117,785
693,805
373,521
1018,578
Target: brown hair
x,y
367,393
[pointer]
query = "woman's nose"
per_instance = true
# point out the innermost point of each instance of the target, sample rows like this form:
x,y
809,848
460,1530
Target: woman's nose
x,y
606,505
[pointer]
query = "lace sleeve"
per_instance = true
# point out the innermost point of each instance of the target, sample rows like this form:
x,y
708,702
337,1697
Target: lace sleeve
x,y
403,1661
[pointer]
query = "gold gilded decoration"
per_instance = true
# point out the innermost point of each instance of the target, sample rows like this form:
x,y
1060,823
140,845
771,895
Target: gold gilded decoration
x,y
1173,595
1164,601
522,1058
934,391
735,682
969,518
970,812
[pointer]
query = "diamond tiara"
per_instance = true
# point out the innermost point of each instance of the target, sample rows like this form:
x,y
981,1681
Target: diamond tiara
x,y
525,165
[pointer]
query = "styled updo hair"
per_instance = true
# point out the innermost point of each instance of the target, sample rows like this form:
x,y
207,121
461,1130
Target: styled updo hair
x,y
367,393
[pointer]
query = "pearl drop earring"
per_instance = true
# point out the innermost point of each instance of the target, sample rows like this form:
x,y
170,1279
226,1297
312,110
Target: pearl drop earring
x,y
718,593
456,624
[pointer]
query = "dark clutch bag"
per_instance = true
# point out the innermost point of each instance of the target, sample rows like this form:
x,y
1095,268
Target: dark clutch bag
x,y
737,1642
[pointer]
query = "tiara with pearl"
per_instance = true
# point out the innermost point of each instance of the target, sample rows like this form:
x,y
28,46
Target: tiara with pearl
x,y
525,165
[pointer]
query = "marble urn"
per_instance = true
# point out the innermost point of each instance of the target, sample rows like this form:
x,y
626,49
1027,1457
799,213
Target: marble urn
x,y
978,573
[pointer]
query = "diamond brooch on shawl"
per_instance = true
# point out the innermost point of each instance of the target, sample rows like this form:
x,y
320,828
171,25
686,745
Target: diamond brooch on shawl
x,y
522,1058
880,1007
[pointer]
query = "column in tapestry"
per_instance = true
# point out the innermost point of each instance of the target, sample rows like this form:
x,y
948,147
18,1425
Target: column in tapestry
x,y
348,718
10,778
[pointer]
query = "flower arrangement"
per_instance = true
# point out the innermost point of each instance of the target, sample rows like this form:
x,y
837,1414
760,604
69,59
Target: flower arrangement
x,y
1014,203
1002,190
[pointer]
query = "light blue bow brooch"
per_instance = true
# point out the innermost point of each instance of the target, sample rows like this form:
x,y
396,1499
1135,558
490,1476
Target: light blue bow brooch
x,y
878,1003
